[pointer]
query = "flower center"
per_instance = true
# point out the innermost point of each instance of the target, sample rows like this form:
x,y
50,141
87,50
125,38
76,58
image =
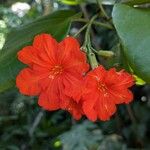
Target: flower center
x,y
55,71
103,88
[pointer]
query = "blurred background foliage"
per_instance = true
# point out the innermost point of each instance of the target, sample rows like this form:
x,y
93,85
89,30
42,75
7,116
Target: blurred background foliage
x,y
25,126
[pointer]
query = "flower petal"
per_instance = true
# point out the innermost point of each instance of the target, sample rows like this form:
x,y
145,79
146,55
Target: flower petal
x,y
71,55
98,74
73,86
47,46
28,82
121,95
52,89
125,79
75,109
67,48
88,106
119,79
47,103
105,108
28,55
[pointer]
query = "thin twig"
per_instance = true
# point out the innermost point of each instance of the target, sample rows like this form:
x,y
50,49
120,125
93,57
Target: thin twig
x,y
103,25
87,34
36,122
48,7
87,44
134,121
95,23
102,9
80,30
86,16
83,8
131,115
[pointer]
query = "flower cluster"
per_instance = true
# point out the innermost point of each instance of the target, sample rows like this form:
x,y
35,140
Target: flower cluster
x,y
58,74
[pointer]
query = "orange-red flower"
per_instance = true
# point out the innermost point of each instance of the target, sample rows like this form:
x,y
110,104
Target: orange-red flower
x,y
103,90
55,72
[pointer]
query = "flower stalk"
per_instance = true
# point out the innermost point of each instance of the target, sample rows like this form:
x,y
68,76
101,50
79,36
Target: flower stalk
x,y
92,59
87,45
105,25
80,30
104,53
102,9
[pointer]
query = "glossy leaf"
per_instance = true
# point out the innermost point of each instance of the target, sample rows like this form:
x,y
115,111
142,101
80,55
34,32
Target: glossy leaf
x,y
138,80
112,2
133,27
71,2
57,24
135,2
104,2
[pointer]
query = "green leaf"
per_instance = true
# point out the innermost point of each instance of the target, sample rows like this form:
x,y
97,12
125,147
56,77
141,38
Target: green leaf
x,y
78,137
57,24
113,142
112,2
133,27
138,80
135,2
87,136
71,2
76,2
104,2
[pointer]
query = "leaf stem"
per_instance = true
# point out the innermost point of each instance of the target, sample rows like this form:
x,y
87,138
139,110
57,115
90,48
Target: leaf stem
x,y
87,41
92,60
87,45
36,122
80,30
102,9
105,25
104,53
